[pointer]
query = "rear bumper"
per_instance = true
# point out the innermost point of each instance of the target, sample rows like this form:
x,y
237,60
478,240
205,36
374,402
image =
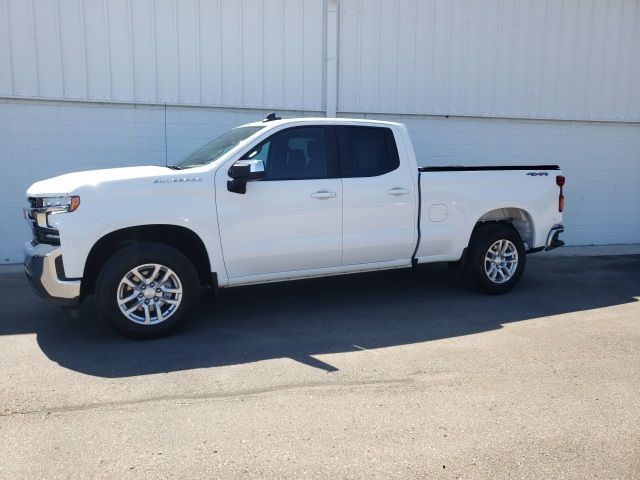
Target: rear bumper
x,y
43,267
553,240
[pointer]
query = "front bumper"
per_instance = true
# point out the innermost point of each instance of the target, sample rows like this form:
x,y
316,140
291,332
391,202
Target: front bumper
x,y
43,266
553,240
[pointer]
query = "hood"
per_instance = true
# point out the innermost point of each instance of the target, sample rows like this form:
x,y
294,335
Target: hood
x,y
69,183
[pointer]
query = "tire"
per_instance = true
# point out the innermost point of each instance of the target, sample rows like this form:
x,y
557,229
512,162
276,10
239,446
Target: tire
x,y
171,290
492,271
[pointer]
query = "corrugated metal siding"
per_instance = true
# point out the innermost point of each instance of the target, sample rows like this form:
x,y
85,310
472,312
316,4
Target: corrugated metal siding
x,y
251,53
555,59
551,59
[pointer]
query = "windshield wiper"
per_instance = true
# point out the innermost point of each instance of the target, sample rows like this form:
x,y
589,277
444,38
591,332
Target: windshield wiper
x,y
174,167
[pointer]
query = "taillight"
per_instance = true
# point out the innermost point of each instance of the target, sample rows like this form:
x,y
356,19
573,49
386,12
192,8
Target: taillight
x,y
560,183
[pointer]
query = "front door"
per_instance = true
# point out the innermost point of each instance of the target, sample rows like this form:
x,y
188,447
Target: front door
x,y
292,219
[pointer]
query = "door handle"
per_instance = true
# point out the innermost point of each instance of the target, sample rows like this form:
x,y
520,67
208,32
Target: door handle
x,y
323,194
398,191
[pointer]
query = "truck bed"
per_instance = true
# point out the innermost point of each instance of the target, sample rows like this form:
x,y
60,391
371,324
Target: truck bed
x,y
453,199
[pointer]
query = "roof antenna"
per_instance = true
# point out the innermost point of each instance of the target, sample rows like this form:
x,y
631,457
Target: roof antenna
x,y
271,117
166,161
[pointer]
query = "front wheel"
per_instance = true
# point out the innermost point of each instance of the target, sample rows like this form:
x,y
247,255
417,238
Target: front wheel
x,y
496,258
146,290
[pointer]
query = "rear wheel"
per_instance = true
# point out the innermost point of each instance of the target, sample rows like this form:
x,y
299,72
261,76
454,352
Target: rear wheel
x,y
146,290
496,258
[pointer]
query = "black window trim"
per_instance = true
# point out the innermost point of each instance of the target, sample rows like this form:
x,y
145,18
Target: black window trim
x,y
331,152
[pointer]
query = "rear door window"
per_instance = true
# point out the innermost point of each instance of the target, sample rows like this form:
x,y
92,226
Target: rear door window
x,y
366,151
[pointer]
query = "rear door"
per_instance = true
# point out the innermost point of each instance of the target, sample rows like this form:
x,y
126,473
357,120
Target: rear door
x,y
379,200
292,219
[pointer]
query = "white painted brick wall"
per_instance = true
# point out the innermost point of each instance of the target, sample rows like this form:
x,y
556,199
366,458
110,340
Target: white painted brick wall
x,y
43,139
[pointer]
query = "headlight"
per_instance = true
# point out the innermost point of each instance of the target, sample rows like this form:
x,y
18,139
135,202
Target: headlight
x,y
41,208
68,204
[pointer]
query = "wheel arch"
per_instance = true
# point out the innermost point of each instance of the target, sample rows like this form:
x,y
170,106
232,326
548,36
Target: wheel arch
x,y
181,238
519,218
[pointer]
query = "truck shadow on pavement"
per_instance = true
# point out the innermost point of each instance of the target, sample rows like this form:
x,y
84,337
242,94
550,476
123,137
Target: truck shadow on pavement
x,y
312,317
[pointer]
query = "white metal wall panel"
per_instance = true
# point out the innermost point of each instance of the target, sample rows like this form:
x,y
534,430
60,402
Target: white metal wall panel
x,y
166,42
6,84
73,55
293,35
273,58
120,52
144,54
188,52
97,47
252,59
48,64
210,54
553,59
241,53
231,36
556,59
313,71
23,48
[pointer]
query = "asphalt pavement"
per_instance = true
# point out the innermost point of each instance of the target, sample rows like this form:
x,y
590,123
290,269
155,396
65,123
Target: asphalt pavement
x,y
396,374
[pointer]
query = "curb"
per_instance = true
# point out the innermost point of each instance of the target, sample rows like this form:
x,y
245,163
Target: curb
x,y
12,268
594,250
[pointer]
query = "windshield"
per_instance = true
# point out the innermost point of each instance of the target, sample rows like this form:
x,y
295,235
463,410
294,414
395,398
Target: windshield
x,y
213,150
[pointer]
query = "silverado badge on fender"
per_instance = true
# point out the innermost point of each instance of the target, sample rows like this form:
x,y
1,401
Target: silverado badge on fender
x,y
177,180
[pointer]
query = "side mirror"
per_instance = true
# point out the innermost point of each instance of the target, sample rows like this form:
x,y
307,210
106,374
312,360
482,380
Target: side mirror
x,y
244,171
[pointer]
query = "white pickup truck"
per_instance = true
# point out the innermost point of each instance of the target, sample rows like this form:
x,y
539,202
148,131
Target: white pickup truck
x,y
279,200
